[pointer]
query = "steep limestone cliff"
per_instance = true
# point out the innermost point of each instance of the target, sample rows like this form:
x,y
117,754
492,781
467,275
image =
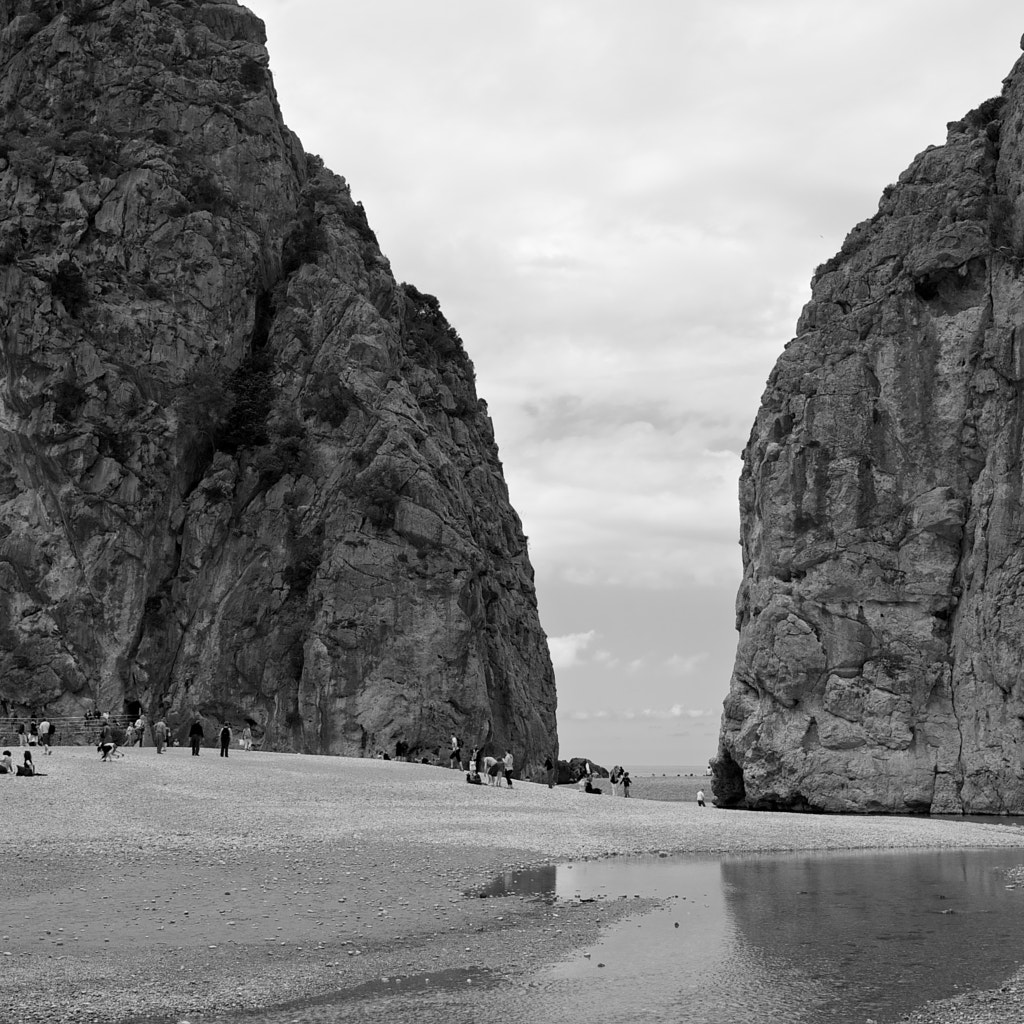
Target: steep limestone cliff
x,y
244,474
881,613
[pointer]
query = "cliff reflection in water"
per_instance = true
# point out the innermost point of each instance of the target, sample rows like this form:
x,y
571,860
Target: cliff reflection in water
x,y
785,939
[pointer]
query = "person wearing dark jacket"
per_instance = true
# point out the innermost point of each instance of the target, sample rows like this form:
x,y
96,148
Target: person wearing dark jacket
x,y
195,737
107,744
225,740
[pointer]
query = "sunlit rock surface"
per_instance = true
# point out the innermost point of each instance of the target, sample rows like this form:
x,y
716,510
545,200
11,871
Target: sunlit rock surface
x,y
244,473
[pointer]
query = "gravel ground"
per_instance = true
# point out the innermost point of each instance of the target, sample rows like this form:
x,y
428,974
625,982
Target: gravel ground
x,y
166,887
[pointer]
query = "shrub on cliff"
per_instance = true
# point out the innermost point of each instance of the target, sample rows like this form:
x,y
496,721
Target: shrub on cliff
x,y
68,398
251,75
426,327
378,492
305,243
68,286
205,194
250,395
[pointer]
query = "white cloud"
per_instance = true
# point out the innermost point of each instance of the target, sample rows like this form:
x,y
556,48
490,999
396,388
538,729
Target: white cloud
x,y
684,665
566,651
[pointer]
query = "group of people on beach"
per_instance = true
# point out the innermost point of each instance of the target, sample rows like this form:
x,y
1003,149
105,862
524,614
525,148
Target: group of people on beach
x,y
38,734
8,766
480,767
112,738
618,777
196,735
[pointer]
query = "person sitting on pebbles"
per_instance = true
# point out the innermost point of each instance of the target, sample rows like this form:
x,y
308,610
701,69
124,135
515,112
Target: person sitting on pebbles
x,y
28,768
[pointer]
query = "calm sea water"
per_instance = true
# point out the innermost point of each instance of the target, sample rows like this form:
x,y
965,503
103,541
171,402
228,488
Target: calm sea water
x,y
668,770
796,939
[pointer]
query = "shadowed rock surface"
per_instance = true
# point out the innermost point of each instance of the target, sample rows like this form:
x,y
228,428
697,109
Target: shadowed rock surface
x,y
881,613
244,473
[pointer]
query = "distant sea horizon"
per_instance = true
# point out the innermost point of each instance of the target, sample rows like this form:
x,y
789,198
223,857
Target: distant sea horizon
x,y
665,769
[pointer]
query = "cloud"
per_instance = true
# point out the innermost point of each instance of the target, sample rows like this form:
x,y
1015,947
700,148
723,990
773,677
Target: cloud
x,y
566,651
683,665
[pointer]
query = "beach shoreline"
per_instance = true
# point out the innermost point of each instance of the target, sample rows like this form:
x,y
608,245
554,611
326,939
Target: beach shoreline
x,y
167,887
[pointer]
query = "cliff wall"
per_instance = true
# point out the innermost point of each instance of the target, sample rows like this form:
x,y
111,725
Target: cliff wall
x,y
244,473
881,614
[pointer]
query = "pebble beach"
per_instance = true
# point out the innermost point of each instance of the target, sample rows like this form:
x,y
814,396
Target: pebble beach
x,y
170,887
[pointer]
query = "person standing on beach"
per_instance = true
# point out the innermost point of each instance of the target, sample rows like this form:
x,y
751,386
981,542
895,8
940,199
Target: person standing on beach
x,y
549,768
22,739
195,737
160,735
626,782
247,737
700,797
507,759
225,740
44,735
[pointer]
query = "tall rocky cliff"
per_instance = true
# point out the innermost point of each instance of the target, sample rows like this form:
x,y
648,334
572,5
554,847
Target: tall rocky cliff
x,y
244,473
880,664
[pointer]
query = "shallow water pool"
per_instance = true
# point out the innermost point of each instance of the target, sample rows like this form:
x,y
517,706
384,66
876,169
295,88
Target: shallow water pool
x,y
840,938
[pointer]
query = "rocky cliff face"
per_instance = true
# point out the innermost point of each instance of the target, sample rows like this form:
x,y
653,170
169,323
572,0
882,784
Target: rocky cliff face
x,y
881,613
244,474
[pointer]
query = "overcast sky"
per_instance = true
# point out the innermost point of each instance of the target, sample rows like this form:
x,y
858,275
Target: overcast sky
x,y
620,207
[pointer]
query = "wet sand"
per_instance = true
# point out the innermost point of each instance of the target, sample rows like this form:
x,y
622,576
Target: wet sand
x,y
178,888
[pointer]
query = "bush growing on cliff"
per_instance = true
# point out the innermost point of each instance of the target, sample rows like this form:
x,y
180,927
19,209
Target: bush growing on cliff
x,y
250,393
98,151
305,243
33,159
985,112
205,194
332,401
379,493
251,75
68,285
282,456
82,12
300,573
68,398
427,330
1000,225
